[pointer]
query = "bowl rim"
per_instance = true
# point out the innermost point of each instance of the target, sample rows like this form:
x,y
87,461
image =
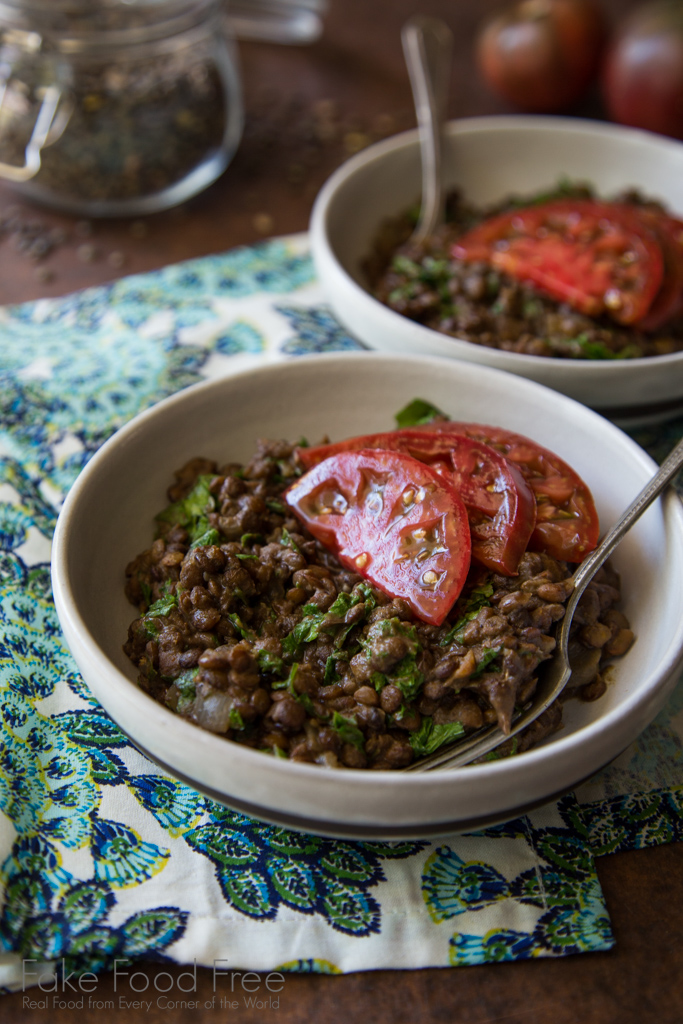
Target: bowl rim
x,y
321,243
216,746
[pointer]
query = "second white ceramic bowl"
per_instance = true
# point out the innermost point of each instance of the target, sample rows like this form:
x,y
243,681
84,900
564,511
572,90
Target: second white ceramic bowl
x,y
490,158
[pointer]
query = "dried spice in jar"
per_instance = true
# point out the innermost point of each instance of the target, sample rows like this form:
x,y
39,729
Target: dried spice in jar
x,y
116,108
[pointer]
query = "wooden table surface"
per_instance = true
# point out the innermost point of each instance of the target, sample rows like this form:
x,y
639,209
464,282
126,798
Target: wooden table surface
x,y
353,83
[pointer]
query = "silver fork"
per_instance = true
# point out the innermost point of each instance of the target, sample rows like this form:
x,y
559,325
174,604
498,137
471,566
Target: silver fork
x,y
558,671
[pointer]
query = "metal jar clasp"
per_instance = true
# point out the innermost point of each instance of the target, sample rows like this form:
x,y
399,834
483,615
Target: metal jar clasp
x,y
43,126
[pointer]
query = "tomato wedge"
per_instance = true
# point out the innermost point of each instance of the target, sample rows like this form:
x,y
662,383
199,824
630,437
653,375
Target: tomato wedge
x,y
394,521
501,506
567,525
668,302
598,257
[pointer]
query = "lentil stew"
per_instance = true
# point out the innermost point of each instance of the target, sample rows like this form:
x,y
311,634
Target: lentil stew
x,y
249,627
504,277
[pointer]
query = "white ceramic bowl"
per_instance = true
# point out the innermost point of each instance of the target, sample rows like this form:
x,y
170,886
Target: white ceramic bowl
x,y
108,518
489,158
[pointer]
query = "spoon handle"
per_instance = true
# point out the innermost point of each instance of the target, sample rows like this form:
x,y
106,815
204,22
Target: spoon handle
x,y
427,44
652,490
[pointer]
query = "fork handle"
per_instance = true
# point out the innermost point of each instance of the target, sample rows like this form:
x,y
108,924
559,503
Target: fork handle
x,y
666,472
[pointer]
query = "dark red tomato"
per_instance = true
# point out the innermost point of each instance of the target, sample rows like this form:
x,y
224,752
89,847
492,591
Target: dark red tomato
x,y
500,504
668,302
567,525
540,55
598,257
392,519
643,72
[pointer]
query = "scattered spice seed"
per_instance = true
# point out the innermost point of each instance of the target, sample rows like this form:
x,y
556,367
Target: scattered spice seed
x,y
87,253
263,223
296,173
116,258
355,141
138,229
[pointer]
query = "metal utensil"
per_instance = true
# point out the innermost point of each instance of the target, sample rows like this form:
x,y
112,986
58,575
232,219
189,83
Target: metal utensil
x,y
558,671
427,45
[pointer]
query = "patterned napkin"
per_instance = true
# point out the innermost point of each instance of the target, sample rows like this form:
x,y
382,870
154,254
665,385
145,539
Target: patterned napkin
x,y
103,856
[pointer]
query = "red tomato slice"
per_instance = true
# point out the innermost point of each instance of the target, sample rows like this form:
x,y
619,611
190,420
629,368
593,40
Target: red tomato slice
x,y
668,302
392,519
567,525
500,504
598,257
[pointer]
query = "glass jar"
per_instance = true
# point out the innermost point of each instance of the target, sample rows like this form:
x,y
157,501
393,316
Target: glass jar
x,y
116,107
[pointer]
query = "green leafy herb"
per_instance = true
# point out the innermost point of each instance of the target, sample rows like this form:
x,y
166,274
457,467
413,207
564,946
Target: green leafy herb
x,y
489,655
306,701
286,539
288,683
499,752
367,594
192,511
247,539
348,730
592,349
236,720
405,674
185,688
397,296
303,633
479,597
158,610
268,662
408,677
278,751
394,627
244,631
565,189
163,606
417,412
330,675
378,680
209,538
276,506
434,269
492,284
315,620
429,737
243,558
186,681
403,265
